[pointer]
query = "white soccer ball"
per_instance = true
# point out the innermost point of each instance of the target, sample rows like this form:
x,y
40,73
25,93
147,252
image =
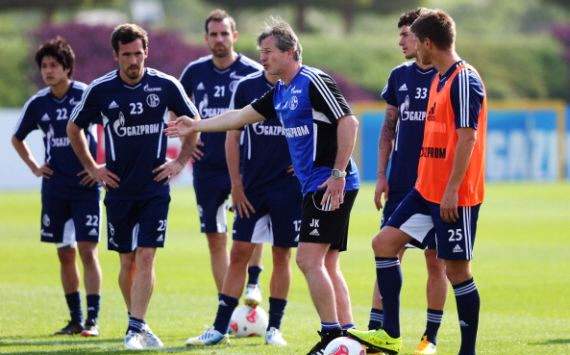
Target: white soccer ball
x,y
345,346
247,322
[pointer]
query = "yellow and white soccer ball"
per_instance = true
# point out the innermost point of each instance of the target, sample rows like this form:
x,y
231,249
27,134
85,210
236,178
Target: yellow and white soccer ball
x,y
247,322
345,346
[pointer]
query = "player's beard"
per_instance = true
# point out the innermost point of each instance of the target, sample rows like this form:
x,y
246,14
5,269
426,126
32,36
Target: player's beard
x,y
220,51
133,72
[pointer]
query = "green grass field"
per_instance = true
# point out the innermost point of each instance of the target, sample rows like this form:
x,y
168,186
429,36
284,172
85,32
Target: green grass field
x,y
522,269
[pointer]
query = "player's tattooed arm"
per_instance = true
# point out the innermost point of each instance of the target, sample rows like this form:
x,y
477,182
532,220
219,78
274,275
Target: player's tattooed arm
x,y
385,146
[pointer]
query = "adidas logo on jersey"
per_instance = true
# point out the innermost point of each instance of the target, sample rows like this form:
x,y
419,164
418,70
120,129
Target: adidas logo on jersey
x,y
200,87
160,238
315,233
457,249
404,87
113,105
45,117
93,233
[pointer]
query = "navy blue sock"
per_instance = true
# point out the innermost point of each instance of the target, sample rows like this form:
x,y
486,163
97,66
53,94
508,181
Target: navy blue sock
x,y
376,319
276,311
225,309
432,326
346,326
388,270
74,304
467,298
135,324
253,275
329,327
93,307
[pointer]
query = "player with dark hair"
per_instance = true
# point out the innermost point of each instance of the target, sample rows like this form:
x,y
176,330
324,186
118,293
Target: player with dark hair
x,y
321,132
210,81
449,190
70,198
132,102
406,96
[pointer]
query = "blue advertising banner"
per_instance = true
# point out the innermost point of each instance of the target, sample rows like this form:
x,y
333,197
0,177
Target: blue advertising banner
x,y
522,144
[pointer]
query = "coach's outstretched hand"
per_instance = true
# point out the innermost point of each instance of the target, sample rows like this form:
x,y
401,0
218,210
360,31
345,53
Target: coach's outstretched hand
x,y
168,170
334,193
181,127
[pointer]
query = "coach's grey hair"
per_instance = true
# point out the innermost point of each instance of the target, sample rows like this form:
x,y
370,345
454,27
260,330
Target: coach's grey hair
x,y
285,37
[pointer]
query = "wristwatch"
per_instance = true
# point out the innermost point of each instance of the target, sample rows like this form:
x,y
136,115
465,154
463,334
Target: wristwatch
x,y
338,174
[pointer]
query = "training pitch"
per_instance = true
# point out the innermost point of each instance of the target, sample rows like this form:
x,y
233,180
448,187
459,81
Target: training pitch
x,y
521,266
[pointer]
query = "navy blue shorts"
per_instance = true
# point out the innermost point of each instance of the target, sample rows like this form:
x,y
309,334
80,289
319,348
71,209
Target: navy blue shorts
x,y
212,197
277,217
136,223
394,199
66,221
416,216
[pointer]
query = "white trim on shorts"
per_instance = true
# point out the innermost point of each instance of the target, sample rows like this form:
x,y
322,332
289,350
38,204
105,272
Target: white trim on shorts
x,y
262,231
417,226
135,237
221,217
69,239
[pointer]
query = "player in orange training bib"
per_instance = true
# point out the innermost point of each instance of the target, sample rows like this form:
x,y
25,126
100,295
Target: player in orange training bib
x,y
449,189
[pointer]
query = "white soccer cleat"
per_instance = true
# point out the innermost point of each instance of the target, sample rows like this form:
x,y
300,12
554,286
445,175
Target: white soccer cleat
x,y
274,337
151,341
252,295
134,341
210,337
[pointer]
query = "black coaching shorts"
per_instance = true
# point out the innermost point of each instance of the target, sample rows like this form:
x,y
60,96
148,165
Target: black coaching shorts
x,y
326,227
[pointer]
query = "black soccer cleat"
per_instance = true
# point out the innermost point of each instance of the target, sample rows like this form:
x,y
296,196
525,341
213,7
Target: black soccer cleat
x,y
326,338
71,328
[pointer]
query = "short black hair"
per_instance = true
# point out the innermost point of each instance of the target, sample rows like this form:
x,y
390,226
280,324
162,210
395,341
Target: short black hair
x,y
127,33
436,25
60,50
407,18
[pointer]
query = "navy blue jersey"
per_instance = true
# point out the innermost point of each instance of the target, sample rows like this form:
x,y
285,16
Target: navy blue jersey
x,y
467,93
408,90
134,120
211,90
264,156
308,108
49,114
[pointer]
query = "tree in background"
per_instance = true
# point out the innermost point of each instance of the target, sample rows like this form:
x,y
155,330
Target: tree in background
x,y
92,45
348,9
562,33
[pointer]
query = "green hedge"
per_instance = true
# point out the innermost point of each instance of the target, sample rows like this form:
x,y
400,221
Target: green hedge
x,y
515,68
518,68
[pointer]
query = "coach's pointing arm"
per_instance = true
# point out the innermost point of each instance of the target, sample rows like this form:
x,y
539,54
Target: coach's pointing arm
x,y
233,119
229,120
